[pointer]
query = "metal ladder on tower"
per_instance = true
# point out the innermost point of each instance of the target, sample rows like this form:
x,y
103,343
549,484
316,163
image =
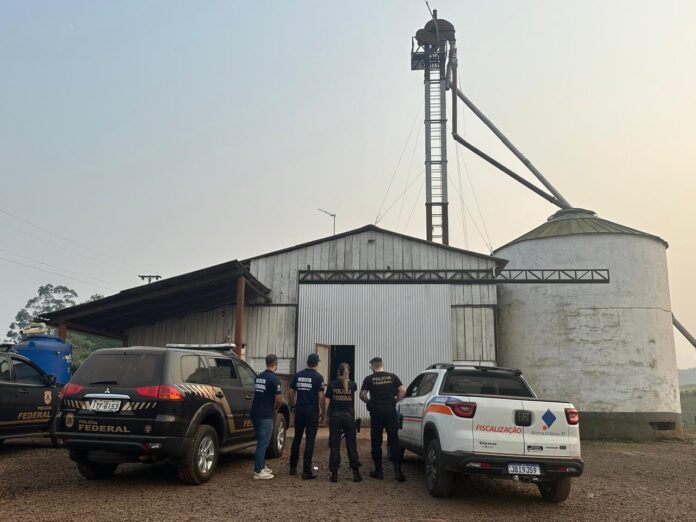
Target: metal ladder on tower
x,y
436,154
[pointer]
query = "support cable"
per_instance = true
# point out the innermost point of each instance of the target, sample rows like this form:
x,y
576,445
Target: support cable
x,y
417,178
398,163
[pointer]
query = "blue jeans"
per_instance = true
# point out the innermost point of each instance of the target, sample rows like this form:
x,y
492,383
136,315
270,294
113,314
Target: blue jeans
x,y
263,428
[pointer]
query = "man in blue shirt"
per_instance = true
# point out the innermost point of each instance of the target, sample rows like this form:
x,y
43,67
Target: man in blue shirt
x,y
267,400
307,389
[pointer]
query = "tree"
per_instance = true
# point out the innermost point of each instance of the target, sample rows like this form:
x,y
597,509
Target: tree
x,y
49,298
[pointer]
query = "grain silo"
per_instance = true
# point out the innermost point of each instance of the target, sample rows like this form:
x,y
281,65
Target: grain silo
x,y
608,348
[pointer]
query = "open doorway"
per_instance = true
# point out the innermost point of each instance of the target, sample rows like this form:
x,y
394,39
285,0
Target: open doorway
x,y
331,356
342,354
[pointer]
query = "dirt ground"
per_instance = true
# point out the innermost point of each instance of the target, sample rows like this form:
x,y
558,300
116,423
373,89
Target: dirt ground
x,y
622,481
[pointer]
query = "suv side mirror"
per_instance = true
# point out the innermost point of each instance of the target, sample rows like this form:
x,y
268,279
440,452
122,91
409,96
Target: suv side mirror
x,y
50,379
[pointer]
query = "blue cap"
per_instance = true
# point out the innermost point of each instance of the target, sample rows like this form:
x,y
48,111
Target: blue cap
x,y
312,359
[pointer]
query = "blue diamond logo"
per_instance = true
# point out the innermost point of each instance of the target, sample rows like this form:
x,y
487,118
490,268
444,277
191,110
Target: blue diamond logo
x,y
549,418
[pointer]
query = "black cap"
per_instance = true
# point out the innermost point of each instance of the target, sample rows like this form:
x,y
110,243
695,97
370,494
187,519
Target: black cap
x,y
312,359
375,360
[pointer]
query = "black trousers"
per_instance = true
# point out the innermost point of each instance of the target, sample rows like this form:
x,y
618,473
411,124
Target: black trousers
x,y
306,422
380,421
342,423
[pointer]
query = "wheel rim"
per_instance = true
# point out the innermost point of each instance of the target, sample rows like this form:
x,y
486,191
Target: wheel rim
x,y
206,454
431,467
280,438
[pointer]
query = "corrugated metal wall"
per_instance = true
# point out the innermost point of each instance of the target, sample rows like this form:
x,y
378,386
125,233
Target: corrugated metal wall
x,y
407,325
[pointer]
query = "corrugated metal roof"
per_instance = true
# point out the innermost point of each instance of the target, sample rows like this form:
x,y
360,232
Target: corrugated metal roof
x,y
576,221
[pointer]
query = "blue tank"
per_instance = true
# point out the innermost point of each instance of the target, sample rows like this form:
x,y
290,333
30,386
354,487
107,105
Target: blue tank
x,y
51,354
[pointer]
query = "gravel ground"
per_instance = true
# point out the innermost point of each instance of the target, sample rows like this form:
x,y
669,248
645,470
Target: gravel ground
x,y
622,481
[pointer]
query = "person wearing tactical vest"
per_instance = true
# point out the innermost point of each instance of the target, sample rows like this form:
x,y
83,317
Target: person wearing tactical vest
x,y
307,389
381,391
340,396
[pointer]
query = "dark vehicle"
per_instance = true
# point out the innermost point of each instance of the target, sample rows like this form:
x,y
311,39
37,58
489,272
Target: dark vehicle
x,y
29,398
146,404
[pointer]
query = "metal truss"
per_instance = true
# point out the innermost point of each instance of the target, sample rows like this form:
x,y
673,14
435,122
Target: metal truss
x,y
488,277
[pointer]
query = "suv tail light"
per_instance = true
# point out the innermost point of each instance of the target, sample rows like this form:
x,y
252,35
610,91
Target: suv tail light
x,y
463,409
572,416
72,389
163,392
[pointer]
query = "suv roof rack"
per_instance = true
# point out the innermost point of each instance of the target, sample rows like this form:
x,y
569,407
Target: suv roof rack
x,y
452,366
441,366
220,347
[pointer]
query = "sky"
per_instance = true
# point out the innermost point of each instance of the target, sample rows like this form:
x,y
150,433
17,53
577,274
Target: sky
x,y
160,137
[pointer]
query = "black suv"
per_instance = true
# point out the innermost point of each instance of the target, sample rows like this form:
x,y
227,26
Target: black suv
x,y
145,404
29,398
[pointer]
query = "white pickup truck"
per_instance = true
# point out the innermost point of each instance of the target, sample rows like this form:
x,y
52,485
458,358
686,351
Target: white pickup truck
x,y
487,420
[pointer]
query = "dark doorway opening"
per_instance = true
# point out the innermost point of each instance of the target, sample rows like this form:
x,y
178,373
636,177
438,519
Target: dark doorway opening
x,y
342,354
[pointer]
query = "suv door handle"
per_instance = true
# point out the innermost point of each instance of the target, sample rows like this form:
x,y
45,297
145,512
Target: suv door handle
x,y
248,397
22,391
219,395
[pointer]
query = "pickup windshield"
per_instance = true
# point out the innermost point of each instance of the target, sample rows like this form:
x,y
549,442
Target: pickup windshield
x,y
485,383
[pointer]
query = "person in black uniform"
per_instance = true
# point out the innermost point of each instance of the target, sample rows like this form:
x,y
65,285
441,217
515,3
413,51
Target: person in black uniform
x,y
381,391
340,395
307,386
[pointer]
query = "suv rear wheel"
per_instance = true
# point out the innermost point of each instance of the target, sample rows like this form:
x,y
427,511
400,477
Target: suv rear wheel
x,y
94,470
556,490
201,458
437,478
277,445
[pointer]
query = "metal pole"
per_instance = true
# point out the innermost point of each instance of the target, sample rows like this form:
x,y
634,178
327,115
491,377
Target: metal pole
x,y
682,329
563,202
239,321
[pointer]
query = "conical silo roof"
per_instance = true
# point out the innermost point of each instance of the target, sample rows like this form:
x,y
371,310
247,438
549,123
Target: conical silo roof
x,y
578,221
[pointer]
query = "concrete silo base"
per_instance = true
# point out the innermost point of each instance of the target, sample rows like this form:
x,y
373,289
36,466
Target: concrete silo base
x,y
633,425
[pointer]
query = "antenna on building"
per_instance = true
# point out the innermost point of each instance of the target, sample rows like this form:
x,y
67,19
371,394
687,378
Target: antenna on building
x,y
332,215
150,278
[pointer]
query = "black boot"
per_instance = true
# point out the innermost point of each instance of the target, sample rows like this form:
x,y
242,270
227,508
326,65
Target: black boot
x,y
334,476
397,472
357,477
308,475
293,471
377,473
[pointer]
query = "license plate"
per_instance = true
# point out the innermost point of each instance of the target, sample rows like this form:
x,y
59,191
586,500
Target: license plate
x,y
104,405
524,469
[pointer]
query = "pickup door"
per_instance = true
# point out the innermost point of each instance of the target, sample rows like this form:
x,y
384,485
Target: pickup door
x,y
412,406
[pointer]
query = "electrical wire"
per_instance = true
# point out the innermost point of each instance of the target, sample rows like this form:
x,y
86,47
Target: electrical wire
x,y
33,260
57,274
43,229
56,245
398,163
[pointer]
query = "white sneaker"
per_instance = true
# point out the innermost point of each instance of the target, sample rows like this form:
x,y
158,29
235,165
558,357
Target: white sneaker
x,y
263,475
268,470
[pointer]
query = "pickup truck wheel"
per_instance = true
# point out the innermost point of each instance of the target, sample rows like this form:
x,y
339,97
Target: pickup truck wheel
x,y
95,471
556,490
277,445
201,458
437,478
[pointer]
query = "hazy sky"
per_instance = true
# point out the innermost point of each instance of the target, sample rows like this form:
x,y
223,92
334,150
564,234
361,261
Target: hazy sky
x,y
175,135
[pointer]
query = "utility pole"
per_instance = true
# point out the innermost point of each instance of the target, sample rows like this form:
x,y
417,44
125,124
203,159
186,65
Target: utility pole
x,y
150,278
333,216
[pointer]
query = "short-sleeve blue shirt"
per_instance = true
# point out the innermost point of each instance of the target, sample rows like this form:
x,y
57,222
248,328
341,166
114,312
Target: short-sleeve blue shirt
x,y
267,386
307,383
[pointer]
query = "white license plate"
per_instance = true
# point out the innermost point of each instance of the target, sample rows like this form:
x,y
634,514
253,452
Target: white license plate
x,y
524,469
104,405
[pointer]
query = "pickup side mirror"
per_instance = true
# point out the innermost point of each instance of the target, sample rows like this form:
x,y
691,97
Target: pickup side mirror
x,y
50,379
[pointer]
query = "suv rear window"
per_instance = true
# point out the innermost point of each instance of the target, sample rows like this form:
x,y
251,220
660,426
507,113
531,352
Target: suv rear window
x,y
119,369
488,383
